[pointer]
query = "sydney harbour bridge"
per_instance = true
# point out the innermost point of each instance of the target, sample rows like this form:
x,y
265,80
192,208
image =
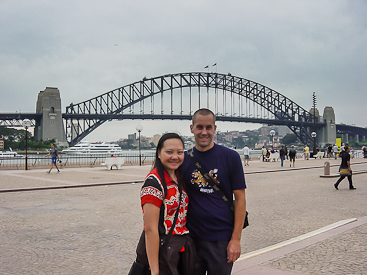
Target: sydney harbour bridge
x,y
177,97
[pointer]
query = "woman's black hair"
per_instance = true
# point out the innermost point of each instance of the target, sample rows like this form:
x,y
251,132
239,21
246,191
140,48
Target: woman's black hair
x,y
158,164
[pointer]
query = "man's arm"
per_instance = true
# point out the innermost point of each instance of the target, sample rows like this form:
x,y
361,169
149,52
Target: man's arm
x,y
234,245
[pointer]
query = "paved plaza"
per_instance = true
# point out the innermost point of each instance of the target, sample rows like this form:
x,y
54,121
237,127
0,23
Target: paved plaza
x,y
88,220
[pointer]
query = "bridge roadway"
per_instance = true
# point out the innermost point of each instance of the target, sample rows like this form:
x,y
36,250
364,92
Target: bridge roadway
x,y
35,116
18,117
94,230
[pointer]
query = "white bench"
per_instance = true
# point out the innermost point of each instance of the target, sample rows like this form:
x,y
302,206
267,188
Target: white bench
x,y
114,161
273,157
319,155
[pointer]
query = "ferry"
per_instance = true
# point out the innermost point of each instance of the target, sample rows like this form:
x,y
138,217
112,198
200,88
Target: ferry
x,y
96,148
10,154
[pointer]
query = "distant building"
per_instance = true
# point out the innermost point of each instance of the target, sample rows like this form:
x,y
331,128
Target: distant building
x,y
280,130
131,136
1,144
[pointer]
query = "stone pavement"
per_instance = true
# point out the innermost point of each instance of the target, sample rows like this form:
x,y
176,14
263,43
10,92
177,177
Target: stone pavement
x,y
88,220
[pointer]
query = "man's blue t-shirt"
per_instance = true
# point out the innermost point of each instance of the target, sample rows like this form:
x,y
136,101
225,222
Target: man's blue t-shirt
x,y
209,218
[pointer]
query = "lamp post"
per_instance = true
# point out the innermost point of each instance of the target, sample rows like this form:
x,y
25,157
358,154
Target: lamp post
x,y
26,123
272,133
313,135
139,128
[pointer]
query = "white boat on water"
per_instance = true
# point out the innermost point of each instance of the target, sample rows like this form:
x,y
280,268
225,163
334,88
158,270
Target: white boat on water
x,y
97,148
10,154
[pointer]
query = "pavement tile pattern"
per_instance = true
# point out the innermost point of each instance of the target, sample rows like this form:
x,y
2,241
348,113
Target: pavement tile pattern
x,y
343,254
94,230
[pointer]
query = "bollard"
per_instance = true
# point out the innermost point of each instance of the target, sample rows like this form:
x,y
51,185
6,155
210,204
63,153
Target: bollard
x,y
326,168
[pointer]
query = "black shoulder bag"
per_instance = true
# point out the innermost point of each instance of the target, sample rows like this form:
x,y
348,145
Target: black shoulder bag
x,y
214,184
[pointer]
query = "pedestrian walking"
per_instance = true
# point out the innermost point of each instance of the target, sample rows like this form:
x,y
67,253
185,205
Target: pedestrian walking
x,y
364,150
286,151
54,155
306,152
282,155
264,152
342,148
344,169
246,154
215,227
329,151
292,156
335,150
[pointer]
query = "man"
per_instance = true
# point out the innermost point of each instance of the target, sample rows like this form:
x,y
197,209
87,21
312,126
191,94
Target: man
x,y
282,155
342,147
246,154
345,165
307,152
329,151
264,152
54,154
213,226
292,155
336,149
286,151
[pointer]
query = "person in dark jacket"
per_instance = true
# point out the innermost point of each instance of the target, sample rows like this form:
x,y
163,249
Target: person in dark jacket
x,y
282,155
345,170
292,155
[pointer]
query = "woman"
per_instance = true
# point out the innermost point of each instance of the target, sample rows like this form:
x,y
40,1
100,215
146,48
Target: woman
x,y
160,198
345,170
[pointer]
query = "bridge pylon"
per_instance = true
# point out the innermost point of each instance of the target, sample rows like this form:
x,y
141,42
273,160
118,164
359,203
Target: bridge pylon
x,y
50,126
328,132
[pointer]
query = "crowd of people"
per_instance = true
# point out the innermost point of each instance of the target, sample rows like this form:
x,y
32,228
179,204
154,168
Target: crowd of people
x,y
332,151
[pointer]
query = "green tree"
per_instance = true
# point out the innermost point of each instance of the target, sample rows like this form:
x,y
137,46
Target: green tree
x,y
289,139
127,144
15,139
238,142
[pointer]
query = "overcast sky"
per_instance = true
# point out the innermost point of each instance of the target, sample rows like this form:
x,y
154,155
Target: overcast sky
x,y
86,48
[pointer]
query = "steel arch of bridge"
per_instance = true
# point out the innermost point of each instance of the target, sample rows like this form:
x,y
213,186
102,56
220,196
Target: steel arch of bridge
x,y
84,117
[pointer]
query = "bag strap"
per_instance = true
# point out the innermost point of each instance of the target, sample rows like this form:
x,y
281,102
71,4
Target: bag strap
x,y
174,221
213,183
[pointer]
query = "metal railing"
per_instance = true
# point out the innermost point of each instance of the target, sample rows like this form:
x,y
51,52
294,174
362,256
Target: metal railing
x,y
39,161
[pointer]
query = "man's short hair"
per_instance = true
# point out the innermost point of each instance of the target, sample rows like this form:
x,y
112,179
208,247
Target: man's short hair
x,y
203,112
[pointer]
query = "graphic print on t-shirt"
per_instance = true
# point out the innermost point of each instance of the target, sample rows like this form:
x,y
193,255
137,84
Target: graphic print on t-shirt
x,y
198,179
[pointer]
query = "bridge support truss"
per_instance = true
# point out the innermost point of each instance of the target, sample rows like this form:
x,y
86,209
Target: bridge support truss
x,y
231,98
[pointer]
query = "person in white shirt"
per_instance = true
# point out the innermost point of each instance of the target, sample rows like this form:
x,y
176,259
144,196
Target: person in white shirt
x,y
263,152
335,149
246,154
